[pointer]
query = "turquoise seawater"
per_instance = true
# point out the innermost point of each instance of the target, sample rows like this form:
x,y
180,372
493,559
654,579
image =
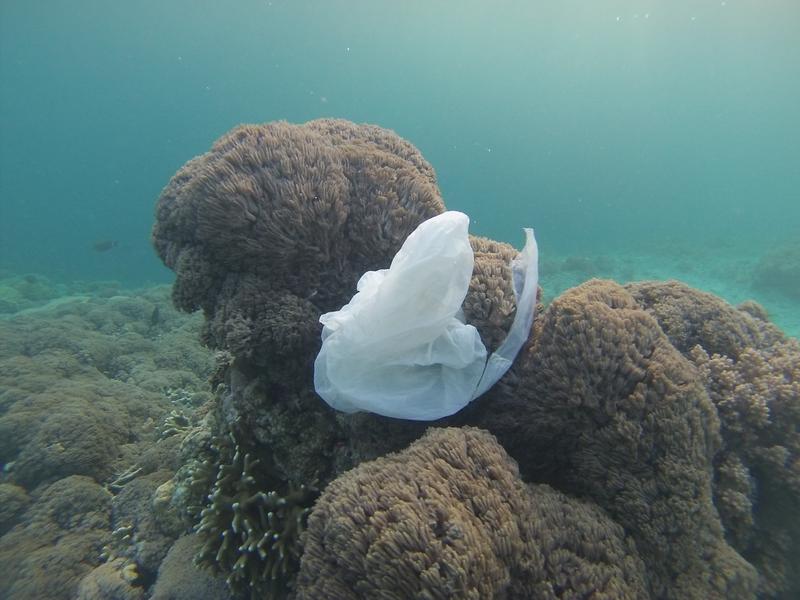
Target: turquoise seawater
x,y
642,139
151,454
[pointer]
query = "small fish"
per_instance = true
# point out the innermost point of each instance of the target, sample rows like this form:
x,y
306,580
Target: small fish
x,y
155,317
104,245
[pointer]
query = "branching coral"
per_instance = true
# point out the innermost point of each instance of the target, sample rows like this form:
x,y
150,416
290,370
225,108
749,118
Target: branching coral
x,y
176,423
449,518
251,527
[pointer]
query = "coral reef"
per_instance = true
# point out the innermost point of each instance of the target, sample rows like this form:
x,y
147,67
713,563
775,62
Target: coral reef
x,y
602,406
81,437
449,518
132,511
654,424
646,438
305,210
112,580
752,374
179,578
82,383
250,530
24,292
690,317
758,468
272,227
490,305
83,387
57,541
13,499
10,299
276,223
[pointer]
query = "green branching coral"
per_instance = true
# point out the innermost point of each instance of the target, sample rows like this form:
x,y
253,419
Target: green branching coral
x,y
176,423
251,527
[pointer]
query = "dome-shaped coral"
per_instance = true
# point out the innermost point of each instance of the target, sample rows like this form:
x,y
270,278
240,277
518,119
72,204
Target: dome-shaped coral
x,y
449,518
490,304
601,405
690,317
274,225
752,374
758,469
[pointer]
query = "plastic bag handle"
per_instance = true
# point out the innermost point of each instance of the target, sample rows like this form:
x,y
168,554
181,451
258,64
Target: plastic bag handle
x,y
525,271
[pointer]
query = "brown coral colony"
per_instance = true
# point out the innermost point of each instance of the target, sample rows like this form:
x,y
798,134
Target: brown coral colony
x,y
643,445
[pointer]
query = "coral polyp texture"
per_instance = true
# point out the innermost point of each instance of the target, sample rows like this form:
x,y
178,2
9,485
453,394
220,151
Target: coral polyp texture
x,y
490,304
276,223
600,405
449,517
690,317
644,444
752,375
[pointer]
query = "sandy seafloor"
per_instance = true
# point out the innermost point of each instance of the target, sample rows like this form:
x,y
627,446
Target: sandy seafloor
x,y
97,383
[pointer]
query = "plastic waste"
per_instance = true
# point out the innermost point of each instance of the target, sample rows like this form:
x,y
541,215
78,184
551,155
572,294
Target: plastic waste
x,y
525,272
400,347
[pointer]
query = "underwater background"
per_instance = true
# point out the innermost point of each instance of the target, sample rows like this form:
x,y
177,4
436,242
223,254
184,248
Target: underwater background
x,y
641,139
645,442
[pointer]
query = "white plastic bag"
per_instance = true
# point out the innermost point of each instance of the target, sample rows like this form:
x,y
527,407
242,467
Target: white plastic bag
x,y
525,270
400,347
